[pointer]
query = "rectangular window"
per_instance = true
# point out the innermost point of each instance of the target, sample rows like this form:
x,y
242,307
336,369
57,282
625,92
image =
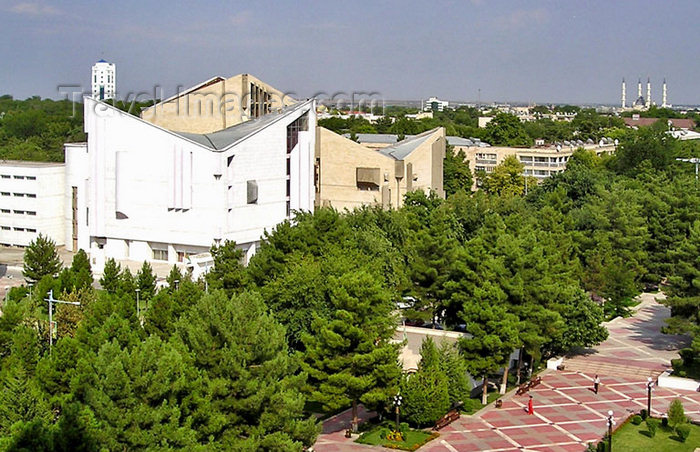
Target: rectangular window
x,y
16,176
31,230
31,177
20,212
19,195
5,176
5,210
160,255
31,212
31,195
5,193
19,229
5,228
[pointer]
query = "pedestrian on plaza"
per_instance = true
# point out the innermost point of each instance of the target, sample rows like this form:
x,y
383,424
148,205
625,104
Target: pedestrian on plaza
x,y
530,408
596,384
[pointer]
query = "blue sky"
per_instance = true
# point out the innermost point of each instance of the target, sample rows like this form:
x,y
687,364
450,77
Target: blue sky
x,y
540,51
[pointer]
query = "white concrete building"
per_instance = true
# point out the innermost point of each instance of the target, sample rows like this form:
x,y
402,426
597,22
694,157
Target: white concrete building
x,y
436,104
104,80
31,202
142,192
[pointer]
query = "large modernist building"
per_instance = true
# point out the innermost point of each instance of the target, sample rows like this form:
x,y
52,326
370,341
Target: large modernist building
x,y
143,192
351,174
216,104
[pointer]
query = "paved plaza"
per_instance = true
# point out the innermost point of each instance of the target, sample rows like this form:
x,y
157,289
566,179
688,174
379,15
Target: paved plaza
x,y
568,414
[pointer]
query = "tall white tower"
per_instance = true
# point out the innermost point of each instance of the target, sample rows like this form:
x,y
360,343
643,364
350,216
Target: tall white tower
x,y
648,93
639,88
624,92
104,80
664,104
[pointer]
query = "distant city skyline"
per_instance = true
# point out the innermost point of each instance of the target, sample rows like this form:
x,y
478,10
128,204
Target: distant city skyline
x,y
538,51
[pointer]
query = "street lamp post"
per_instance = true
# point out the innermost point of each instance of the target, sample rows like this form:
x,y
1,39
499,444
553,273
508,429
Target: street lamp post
x,y
611,422
397,404
138,305
696,162
177,284
650,387
51,301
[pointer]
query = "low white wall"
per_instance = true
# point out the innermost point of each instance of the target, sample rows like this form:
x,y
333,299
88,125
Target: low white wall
x,y
685,384
553,363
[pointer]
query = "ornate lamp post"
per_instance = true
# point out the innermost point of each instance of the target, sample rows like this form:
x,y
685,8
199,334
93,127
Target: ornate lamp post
x,y
650,387
611,422
397,404
51,301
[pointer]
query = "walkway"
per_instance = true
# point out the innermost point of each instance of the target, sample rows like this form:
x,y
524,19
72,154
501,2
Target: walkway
x,y
568,415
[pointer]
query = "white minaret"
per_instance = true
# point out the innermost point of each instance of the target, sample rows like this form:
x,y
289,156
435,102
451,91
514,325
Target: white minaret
x,y
624,91
104,80
639,88
648,93
664,104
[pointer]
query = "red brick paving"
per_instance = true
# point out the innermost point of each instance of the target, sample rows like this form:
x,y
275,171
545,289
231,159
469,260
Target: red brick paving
x,y
568,414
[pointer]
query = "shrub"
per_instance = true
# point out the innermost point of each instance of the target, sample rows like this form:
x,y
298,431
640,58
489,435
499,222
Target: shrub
x,y
652,426
591,447
683,432
643,414
636,419
676,414
602,447
425,396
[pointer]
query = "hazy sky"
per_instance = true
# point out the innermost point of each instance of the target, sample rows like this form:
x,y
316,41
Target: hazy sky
x,y
541,51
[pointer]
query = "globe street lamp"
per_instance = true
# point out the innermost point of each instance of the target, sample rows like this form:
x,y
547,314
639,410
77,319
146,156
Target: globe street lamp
x,y
397,404
650,387
611,422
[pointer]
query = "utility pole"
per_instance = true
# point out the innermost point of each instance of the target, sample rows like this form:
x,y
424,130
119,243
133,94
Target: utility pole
x,y
51,301
695,161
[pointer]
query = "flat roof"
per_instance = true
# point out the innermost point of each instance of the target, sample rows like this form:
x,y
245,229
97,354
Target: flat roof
x,y
28,164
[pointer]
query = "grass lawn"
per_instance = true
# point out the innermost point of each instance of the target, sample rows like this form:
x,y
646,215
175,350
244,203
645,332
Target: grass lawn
x,y
413,437
635,438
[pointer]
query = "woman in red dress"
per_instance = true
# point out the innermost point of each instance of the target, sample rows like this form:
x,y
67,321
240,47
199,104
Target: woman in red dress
x,y
530,409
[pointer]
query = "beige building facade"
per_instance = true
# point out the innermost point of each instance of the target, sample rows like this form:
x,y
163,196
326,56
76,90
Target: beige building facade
x,y
217,104
350,174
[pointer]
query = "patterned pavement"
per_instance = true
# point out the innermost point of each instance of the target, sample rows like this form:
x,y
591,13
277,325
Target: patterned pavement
x,y
568,414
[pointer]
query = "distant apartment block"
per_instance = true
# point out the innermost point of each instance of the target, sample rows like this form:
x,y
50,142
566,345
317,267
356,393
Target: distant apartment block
x,y
104,80
31,202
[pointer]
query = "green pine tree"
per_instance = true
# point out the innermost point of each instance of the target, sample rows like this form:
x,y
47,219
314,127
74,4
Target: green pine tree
x,y
41,259
110,276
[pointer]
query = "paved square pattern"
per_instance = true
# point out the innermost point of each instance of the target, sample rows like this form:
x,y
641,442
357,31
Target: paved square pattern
x,y
567,413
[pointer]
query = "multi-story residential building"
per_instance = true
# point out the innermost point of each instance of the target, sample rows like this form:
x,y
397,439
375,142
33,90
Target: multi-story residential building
x,y
31,202
104,80
436,104
141,192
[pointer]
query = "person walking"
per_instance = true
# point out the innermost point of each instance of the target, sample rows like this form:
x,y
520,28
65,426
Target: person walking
x,y
530,408
596,384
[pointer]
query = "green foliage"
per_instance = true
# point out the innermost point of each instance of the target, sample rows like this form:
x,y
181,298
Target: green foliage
x,y
676,414
506,179
348,355
228,271
636,419
425,397
647,145
683,432
457,175
110,276
507,130
146,281
652,426
40,259
36,129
